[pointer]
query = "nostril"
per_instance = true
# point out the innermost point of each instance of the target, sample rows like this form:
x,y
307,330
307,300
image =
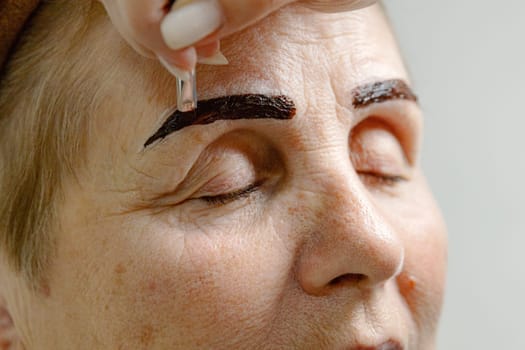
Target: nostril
x,y
349,278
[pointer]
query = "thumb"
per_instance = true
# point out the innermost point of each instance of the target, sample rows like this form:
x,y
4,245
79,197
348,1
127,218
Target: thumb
x,y
190,21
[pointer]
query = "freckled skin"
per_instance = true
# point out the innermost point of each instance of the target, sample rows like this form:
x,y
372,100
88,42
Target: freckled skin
x,y
120,269
146,336
322,255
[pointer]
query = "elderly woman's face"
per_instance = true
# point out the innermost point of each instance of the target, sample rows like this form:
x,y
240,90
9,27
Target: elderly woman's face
x,y
312,232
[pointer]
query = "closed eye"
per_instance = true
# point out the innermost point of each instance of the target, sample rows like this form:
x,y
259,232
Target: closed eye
x,y
378,179
223,199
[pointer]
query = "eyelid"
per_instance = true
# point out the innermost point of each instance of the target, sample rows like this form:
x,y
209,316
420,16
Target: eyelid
x,y
378,156
377,150
403,118
380,165
211,173
226,167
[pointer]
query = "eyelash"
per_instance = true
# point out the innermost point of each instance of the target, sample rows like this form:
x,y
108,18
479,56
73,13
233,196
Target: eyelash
x,y
372,178
226,198
382,179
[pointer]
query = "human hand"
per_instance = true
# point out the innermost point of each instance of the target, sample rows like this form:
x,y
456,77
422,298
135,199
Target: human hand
x,y
183,32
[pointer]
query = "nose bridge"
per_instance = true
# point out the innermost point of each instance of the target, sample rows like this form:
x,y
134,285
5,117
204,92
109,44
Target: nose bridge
x,y
351,243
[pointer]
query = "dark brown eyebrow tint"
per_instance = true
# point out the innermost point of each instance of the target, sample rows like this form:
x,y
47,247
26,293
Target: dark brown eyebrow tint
x,y
382,91
250,106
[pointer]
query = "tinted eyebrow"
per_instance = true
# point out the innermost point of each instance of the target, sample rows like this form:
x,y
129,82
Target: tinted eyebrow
x,y
249,106
382,91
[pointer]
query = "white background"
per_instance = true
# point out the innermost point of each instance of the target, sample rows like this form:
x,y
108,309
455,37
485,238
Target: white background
x,y
467,60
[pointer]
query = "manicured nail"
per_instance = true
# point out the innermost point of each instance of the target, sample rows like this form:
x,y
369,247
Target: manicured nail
x,y
179,73
217,60
186,25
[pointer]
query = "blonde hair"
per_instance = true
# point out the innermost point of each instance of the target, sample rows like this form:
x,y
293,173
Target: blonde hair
x,y
46,93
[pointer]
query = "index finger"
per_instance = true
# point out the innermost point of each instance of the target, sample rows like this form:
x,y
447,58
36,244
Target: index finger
x,y
143,20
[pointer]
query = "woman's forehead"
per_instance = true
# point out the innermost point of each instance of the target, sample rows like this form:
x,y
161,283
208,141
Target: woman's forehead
x,y
300,47
293,48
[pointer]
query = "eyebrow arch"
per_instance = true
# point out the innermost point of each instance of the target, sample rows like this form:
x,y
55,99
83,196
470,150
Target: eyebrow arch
x,y
234,107
381,91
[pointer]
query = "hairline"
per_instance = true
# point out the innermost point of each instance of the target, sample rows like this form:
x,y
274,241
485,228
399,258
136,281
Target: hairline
x,y
41,124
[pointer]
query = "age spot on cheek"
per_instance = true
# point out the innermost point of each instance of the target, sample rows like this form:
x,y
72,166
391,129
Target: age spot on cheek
x,y
407,286
45,289
120,270
406,283
146,335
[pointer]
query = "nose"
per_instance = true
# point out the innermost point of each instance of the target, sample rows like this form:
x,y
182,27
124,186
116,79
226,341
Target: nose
x,y
350,245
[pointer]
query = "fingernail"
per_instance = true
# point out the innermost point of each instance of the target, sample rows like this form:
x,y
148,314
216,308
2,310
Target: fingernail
x,y
179,73
190,23
217,60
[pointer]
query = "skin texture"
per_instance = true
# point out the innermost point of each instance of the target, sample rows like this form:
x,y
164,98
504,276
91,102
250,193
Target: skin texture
x,y
339,245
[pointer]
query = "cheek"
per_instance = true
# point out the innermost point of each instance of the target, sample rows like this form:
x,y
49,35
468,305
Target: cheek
x,y
210,286
422,280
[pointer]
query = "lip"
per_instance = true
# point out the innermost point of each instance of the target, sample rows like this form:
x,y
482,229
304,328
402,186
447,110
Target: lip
x,y
388,345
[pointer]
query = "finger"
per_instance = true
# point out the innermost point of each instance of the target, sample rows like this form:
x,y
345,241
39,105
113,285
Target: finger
x,y
139,23
208,50
183,60
211,54
179,63
337,5
142,21
186,57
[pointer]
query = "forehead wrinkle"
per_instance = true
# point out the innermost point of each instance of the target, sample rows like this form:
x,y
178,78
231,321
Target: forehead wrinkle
x,y
296,18
277,41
